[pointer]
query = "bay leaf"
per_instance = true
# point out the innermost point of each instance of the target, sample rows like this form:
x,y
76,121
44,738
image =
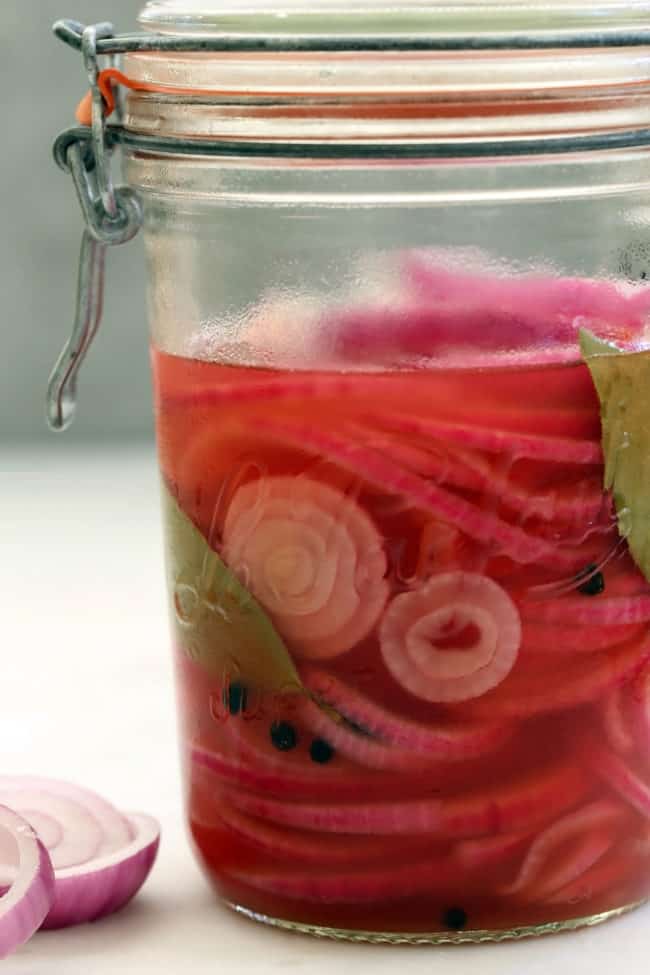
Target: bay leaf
x,y
217,622
622,381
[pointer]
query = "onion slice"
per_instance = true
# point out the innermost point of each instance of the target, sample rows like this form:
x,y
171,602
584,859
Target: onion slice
x,y
102,886
74,823
423,644
100,857
30,896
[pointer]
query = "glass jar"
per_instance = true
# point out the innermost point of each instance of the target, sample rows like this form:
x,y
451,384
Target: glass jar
x,y
396,273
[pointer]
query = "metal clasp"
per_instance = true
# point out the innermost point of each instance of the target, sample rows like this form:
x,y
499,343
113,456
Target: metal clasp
x,y
112,215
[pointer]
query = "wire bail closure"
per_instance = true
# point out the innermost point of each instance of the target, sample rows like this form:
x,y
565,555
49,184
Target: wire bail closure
x,y
112,216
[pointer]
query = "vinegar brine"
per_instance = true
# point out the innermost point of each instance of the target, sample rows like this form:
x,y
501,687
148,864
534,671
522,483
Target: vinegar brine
x,y
413,647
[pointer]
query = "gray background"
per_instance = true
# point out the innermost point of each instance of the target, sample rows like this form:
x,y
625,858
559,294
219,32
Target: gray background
x,y
41,82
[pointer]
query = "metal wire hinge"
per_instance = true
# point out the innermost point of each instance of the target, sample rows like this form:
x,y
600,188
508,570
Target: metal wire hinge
x,y
71,33
112,215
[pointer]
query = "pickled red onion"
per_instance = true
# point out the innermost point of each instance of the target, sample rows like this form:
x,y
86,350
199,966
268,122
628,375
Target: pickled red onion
x,y
623,779
626,714
537,306
590,834
557,638
641,692
477,854
492,440
324,850
578,502
606,611
31,893
376,469
360,748
606,875
615,720
312,557
521,804
419,625
534,689
445,740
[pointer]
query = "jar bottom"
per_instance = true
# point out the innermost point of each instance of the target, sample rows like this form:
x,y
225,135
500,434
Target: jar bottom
x,y
435,937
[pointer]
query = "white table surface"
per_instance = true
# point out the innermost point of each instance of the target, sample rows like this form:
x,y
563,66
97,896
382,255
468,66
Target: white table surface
x,y
86,692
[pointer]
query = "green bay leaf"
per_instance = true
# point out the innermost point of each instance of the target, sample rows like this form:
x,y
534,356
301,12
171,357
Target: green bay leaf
x,y
216,620
622,381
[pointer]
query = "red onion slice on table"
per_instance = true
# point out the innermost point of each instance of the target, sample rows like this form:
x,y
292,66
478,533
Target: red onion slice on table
x,y
100,857
26,866
102,886
85,824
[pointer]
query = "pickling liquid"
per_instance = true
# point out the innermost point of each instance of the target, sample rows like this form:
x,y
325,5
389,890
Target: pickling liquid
x,y
467,745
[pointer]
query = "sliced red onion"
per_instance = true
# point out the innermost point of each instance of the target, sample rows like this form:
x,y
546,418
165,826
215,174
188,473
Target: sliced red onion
x,y
87,825
583,837
100,857
102,886
622,778
30,896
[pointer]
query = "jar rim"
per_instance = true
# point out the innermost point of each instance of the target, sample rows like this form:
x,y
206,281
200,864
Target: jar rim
x,y
473,19
270,70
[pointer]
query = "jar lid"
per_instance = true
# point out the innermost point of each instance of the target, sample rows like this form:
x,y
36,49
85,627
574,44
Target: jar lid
x,y
385,71
388,18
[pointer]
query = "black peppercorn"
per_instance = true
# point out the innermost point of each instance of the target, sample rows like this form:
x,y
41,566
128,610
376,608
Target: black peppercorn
x,y
455,919
594,582
235,698
283,736
321,751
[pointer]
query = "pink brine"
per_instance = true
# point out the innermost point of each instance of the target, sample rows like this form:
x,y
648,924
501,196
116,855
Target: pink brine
x,y
470,747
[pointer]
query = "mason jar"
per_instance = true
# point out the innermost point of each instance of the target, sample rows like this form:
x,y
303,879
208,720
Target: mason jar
x,y
397,264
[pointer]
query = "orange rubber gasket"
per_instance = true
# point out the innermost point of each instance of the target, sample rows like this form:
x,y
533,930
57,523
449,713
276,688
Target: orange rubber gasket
x,y
111,78
108,80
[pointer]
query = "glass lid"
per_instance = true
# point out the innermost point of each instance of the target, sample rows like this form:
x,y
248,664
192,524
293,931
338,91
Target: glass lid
x,y
389,18
384,69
